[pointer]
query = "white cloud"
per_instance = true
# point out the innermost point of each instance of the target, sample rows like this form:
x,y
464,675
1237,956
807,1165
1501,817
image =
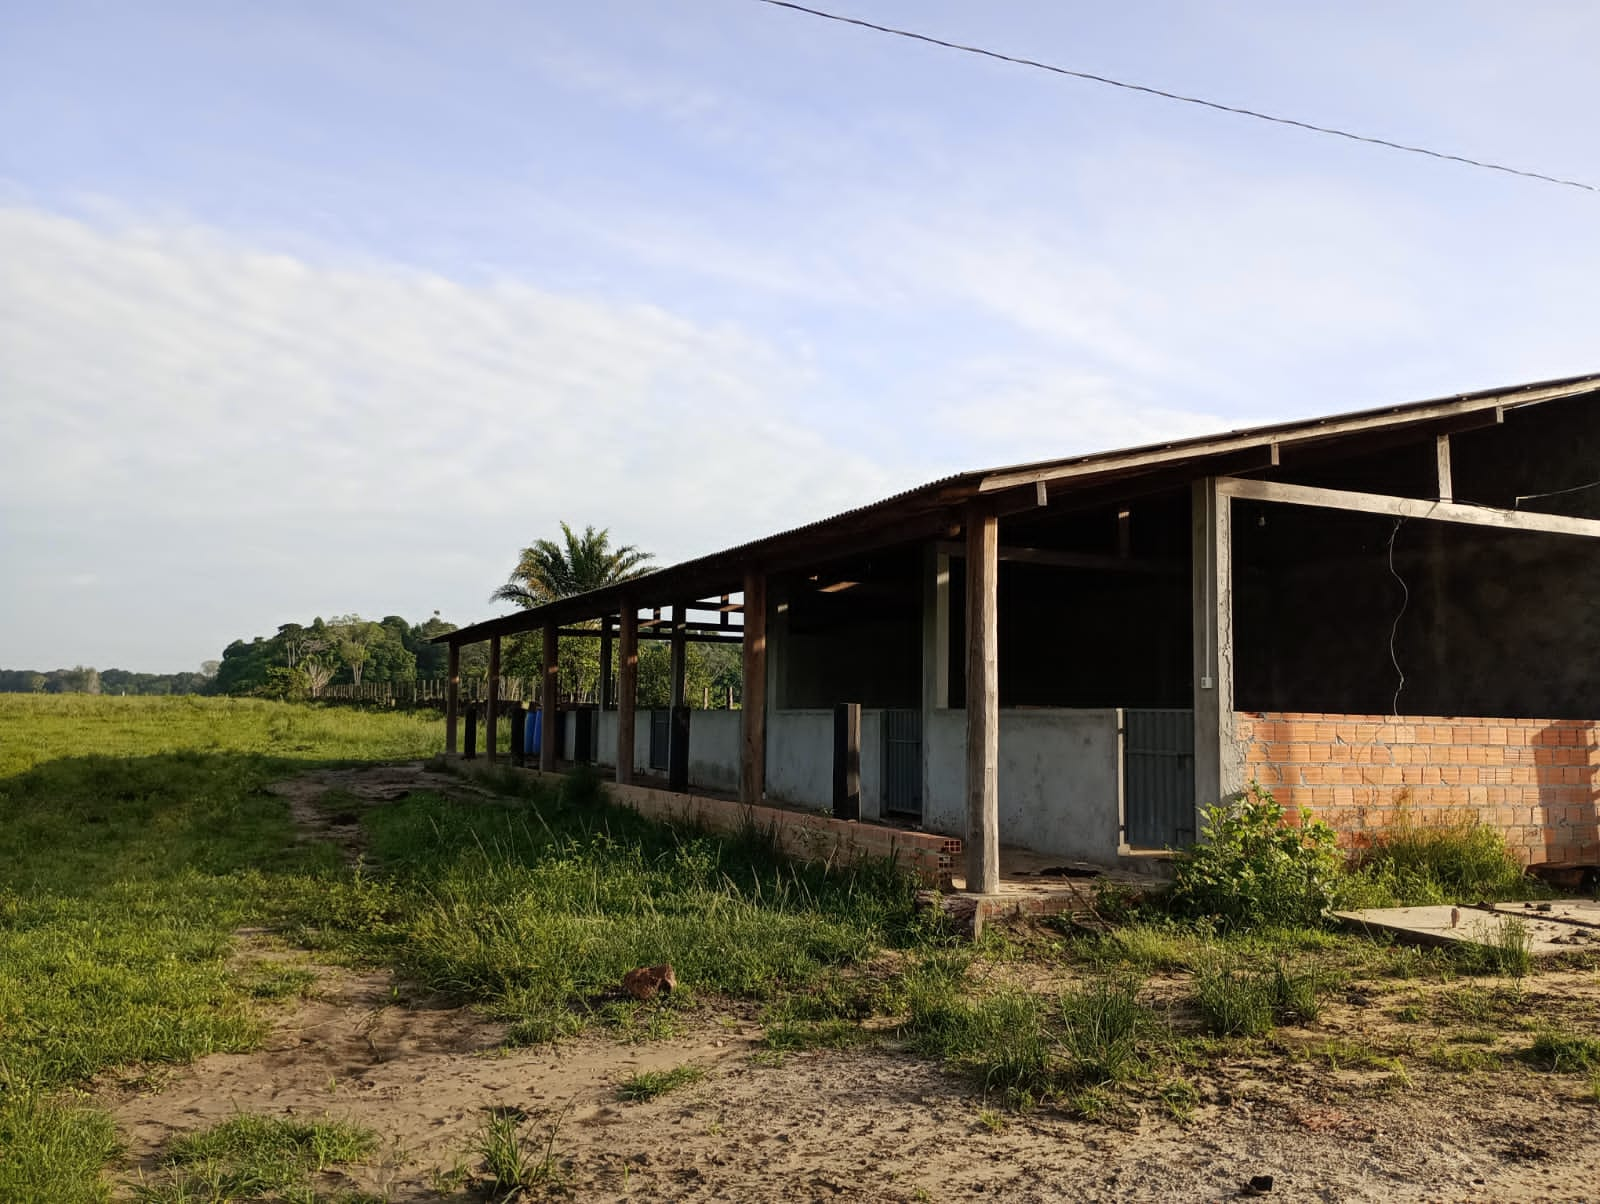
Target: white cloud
x,y
323,434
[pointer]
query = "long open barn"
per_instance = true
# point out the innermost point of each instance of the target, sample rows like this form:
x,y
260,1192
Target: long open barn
x,y
1375,613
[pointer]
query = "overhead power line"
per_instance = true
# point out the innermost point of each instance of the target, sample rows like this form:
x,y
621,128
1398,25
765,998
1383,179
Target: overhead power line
x,y
1188,100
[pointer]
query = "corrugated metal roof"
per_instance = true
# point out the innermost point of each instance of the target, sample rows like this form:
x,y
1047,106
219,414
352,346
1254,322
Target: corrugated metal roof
x,y
715,569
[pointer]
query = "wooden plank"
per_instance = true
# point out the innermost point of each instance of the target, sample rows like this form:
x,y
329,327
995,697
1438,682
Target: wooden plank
x,y
1406,507
679,649
452,697
1095,561
753,712
491,708
983,702
627,689
678,729
1442,452
550,700
604,692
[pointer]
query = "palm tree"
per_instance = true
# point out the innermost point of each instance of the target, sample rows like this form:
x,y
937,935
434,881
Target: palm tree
x,y
547,570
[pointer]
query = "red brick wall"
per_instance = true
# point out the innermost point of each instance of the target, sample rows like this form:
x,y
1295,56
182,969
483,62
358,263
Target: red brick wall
x,y
1536,780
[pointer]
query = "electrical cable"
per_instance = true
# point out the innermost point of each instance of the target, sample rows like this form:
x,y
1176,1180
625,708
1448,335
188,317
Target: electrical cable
x,y
1528,497
1394,631
1089,76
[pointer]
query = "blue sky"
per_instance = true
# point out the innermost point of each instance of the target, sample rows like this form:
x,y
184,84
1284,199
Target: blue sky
x,y
312,308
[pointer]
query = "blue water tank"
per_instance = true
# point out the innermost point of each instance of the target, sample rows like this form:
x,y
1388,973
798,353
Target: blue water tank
x,y
530,734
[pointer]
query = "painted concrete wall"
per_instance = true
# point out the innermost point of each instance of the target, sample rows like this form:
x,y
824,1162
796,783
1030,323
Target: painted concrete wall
x,y
1059,782
800,757
714,749
605,752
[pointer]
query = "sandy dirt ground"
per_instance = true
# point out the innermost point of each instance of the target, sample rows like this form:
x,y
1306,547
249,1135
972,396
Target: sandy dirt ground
x,y
874,1124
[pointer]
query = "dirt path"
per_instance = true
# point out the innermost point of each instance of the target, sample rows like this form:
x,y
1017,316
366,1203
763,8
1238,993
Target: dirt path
x,y
856,1126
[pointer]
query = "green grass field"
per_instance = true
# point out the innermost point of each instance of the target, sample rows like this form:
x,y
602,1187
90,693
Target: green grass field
x,y
140,838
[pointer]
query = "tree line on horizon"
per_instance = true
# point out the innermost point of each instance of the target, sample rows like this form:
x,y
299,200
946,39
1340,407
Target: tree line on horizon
x,y
302,660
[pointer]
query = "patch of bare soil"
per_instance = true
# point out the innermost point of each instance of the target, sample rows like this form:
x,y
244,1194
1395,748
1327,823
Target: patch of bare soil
x,y
314,797
861,1125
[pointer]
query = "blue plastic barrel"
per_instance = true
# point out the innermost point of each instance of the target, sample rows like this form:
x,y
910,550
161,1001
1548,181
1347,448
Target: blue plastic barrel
x,y
530,734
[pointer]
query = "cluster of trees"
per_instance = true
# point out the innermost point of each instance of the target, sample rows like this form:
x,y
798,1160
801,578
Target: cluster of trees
x,y
84,679
300,660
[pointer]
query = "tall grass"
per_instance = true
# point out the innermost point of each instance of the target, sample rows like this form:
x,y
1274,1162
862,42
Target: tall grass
x,y
538,907
1456,860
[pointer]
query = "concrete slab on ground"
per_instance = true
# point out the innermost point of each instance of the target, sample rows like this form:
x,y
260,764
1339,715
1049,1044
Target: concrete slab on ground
x,y
1585,913
1547,936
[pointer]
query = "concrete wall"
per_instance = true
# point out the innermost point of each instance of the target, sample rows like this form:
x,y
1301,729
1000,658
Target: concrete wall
x,y
714,749
800,757
1060,789
605,752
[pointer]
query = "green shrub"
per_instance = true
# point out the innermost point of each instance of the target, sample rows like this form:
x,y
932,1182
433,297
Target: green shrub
x,y
1253,868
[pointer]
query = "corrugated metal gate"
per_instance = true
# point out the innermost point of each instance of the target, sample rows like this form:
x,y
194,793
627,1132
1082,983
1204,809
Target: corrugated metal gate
x,y
1158,778
660,737
902,763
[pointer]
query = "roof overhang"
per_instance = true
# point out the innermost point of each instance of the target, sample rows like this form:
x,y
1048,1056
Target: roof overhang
x,y
935,510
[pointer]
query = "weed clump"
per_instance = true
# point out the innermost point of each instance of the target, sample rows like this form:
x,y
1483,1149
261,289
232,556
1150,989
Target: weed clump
x,y
1100,1030
1566,1052
512,1162
1239,1001
648,1084
253,1156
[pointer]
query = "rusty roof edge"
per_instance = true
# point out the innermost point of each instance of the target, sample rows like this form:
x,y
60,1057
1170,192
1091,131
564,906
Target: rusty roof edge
x,y
951,490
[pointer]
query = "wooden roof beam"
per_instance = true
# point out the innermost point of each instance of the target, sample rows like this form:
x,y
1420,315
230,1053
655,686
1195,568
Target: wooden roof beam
x,y
1406,507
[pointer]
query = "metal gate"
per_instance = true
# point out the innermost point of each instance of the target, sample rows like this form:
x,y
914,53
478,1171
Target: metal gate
x,y
660,738
1158,778
902,763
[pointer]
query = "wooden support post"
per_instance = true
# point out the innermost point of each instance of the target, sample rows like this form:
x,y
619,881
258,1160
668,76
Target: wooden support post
x,y
847,760
604,693
491,710
983,702
678,733
627,688
1217,769
1442,452
472,733
550,700
753,700
518,729
679,649
452,698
